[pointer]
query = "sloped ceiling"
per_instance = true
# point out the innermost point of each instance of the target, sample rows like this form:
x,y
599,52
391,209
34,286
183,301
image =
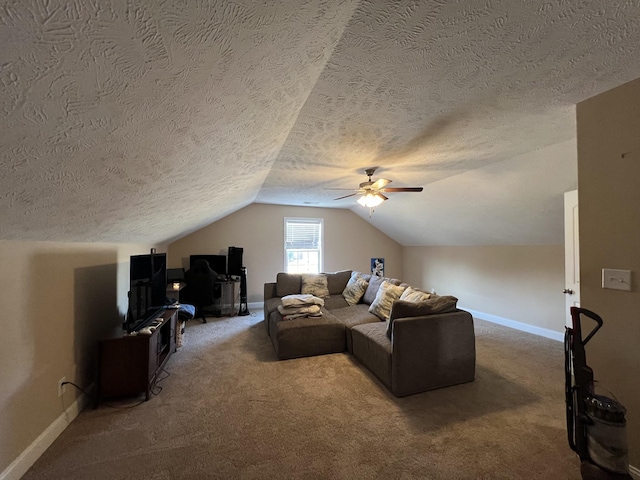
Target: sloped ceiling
x,y
142,121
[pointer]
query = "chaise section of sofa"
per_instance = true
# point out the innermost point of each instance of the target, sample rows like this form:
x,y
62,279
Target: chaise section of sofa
x,y
423,353
305,337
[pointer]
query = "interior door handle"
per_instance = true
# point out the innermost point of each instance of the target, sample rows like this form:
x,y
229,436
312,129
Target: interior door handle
x,y
568,291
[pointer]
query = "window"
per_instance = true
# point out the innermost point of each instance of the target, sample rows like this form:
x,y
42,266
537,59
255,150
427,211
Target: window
x,y
303,245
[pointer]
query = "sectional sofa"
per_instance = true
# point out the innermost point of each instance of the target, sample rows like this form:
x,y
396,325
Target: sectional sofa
x,y
410,340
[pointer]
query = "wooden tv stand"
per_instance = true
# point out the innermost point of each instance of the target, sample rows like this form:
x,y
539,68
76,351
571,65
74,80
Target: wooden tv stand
x,y
129,365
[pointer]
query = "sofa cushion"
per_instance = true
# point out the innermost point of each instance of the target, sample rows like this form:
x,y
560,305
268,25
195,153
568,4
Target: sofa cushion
x,y
372,348
387,294
414,295
354,315
315,284
353,292
333,302
435,304
288,284
336,281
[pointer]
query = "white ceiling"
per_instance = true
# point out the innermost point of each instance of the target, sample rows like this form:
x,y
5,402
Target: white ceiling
x,y
145,120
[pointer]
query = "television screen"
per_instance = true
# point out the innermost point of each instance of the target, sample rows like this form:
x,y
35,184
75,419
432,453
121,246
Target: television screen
x,y
147,287
175,275
217,263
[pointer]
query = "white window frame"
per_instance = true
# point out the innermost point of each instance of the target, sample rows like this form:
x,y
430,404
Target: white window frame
x,y
320,248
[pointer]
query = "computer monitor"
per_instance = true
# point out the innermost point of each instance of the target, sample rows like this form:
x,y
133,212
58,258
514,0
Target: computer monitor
x,y
217,263
175,275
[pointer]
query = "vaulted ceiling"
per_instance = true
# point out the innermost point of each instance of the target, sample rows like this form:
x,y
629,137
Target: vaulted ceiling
x,y
142,121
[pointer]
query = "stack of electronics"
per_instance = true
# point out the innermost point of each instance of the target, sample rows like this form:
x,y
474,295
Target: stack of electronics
x,y
148,284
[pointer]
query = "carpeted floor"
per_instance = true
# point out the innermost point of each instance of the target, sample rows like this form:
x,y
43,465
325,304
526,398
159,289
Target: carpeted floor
x,y
229,410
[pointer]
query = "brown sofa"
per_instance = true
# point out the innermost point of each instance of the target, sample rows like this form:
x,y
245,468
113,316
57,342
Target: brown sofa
x,y
416,350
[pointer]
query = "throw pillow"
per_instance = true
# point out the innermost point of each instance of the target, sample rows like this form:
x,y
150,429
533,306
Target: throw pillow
x,y
387,294
414,296
353,292
287,284
434,304
372,289
315,284
364,276
337,281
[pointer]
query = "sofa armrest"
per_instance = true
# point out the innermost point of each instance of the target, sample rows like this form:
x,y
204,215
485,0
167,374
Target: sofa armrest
x,y
432,351
269,306
270,290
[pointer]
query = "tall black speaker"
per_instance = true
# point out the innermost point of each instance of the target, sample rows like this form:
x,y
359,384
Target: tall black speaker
x,y
244,307
234,261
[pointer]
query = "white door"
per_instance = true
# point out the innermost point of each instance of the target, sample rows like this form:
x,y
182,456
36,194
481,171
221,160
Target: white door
x,y
571,253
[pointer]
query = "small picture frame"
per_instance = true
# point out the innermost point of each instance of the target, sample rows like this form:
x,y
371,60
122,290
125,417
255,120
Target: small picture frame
x,y
377,267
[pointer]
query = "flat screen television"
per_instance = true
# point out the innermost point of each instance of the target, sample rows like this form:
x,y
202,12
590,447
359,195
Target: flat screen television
x,y
217,263
147,288
175,275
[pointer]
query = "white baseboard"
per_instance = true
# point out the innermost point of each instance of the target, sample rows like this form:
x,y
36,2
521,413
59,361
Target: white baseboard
x,y
26,459
256,305
525,327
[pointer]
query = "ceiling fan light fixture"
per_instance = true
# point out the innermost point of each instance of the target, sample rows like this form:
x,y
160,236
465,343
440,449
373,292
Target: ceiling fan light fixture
x,y
371,200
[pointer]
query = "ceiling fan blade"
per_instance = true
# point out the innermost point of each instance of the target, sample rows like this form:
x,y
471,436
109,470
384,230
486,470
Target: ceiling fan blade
x,y
402,189
346,196
381,196
380,183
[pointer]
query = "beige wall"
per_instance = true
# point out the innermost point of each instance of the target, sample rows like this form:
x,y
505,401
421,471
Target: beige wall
x,y
521,283
609,201
350,242
60,299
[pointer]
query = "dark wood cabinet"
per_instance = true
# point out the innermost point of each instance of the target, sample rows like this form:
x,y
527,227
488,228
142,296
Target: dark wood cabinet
x,y
129,365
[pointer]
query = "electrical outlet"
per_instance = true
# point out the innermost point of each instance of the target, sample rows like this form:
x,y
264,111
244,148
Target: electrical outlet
x,y
61,386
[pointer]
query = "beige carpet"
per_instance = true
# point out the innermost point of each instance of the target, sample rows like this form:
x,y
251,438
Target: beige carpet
x,y
230,410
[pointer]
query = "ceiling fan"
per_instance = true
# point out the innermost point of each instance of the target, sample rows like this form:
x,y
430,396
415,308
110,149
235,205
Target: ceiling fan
x,y
372,193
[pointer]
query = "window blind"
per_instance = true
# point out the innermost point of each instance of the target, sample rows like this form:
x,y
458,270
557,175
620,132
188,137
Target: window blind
x,y
302,234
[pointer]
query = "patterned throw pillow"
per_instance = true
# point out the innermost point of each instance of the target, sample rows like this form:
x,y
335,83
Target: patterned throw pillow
x,y
387,294
315,284
414,296
355,289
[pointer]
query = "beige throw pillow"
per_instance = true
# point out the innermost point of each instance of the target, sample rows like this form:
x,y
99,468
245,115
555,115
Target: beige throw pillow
x,y
414,296
315,284
355,289
387,294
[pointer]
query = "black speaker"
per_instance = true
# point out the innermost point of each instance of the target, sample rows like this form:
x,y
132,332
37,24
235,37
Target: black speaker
x,y
234,260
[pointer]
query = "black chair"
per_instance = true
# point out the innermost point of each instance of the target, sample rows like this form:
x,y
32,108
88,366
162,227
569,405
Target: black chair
x,y
200,287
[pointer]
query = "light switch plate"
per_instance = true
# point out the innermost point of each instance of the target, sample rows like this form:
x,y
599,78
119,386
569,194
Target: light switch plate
x,y
616,279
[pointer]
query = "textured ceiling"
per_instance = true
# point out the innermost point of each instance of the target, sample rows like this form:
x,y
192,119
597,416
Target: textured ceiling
x,y
142,121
